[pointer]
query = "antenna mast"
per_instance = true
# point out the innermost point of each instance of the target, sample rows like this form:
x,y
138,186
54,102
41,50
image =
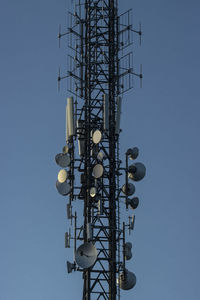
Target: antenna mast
x,y
99,73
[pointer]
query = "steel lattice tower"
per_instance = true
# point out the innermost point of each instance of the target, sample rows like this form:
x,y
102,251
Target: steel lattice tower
x,y
98,74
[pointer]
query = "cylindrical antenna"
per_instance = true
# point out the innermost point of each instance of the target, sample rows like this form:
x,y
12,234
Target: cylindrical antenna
x,y
66,127
70,116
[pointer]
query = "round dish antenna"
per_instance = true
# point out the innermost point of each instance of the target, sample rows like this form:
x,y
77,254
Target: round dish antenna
x,y
62,175
126,280
98,171
63,188
63,160
97,136
93,192
66,149
86,255
100,156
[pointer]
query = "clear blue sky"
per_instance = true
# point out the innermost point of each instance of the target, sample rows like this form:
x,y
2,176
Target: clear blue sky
x,y
162,119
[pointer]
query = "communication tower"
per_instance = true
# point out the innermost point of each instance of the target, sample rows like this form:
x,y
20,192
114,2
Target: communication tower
x,y
100,71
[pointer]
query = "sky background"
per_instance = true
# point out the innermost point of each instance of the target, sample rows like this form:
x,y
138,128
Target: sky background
x,y
162,119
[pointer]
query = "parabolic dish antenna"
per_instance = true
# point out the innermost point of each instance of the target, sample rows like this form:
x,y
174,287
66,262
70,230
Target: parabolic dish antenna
x,y
86,255
63,160
93,192
62,175
126,280
100,156
66,149
63,188
97,136
98,171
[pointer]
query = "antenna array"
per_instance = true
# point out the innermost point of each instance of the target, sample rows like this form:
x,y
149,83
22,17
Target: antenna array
x,y
100,72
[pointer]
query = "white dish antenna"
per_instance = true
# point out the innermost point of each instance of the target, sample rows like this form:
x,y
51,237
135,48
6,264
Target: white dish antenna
x,y
63,188
62,175
86,255
97,136
98,171
63,160
93,192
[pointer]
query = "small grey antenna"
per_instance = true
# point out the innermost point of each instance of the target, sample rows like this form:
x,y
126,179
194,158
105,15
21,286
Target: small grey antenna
x,y
67,240
118,115
69,211
70,267
131,222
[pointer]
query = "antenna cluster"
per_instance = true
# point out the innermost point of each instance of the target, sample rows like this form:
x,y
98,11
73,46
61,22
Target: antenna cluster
x,y
100,72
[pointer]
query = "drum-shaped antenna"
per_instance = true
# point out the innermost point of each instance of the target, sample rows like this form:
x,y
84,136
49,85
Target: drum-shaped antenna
x,y
132,153
98,171
86,255
137,171
63,188
63,160
129,190
62,175
97,136
126,280
70,267
134,202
